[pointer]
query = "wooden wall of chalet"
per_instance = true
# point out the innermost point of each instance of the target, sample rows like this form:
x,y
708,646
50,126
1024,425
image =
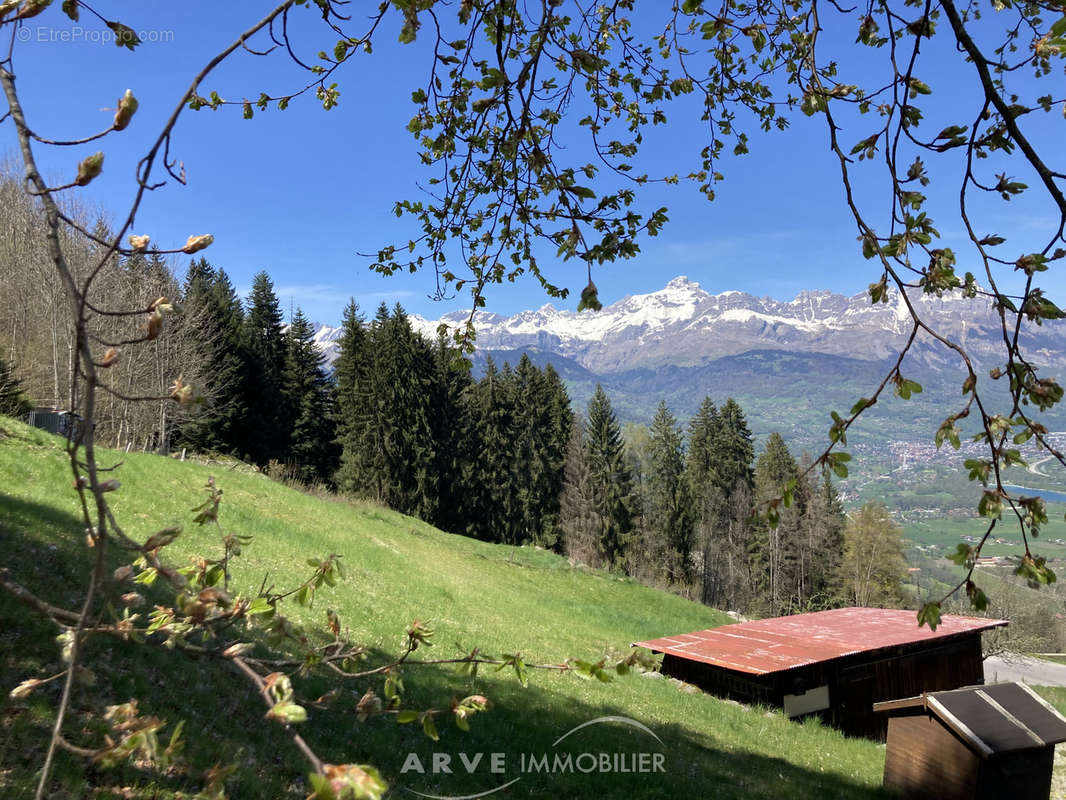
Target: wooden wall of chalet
x,y
855,682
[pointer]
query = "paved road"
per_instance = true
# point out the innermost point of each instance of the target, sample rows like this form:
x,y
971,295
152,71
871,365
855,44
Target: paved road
x,y
1035,671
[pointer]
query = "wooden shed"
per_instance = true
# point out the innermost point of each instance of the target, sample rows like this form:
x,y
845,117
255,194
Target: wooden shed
x,y
835,664
976,743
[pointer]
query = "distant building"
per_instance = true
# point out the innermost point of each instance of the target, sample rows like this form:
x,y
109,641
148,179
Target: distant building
x,y
835,664
54,420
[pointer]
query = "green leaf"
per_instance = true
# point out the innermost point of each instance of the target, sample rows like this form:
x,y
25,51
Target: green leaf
x,y
789,492
303,595
978,599
288,712
861,405
991,505
406,716
929,614
260,606
70,8
322,787
124,35
1035,571
429,727
582,669
520,670
963,554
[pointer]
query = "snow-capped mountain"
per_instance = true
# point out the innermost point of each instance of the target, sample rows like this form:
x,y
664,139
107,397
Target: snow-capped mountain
x,y
327,337
682,343
683,325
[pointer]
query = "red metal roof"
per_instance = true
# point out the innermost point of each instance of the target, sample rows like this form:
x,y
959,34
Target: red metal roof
x,y
780,643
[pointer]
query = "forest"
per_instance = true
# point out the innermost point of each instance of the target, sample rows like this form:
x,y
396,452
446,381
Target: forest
x,y
403,422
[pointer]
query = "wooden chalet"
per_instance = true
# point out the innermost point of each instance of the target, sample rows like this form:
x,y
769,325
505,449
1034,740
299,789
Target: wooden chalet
x,y
976,743
835,664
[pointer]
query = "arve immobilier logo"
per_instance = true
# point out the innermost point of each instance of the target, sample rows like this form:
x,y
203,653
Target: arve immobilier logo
x,y
511,768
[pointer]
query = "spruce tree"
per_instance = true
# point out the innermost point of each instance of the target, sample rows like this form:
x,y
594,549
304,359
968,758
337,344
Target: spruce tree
x,y
700,467
732,448
709,504
667,508
580,522
308,392
492,504
773,548
403,457
534,463
560,423
13,402
213,307
611,479
268,423
356,429
825,521
450,383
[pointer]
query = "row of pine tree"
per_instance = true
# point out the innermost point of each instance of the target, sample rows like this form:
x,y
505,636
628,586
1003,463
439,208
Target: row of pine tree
x,y
676,510
402,422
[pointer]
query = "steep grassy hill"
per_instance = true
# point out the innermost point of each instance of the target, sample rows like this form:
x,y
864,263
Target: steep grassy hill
x,y
475,594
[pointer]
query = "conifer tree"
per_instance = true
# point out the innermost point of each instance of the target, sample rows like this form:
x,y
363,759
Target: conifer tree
x,y
268,423
611,479
581,525
308,392
13,402
403,377
534,464
450,383
560,422
700,466
372,457
822,524
492,506
356,432
213,305
773,551
230,364
732,448
668,517
718,477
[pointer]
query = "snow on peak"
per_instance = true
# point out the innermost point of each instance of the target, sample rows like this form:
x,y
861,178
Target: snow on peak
x,y
682,282
683,324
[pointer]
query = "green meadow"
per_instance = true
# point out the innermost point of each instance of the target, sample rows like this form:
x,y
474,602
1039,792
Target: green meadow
x,y
472,594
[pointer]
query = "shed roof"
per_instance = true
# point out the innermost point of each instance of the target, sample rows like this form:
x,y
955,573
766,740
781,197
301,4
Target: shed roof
x,y
997,718
781,643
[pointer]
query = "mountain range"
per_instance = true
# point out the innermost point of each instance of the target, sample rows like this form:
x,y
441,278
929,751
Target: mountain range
x,y
783,360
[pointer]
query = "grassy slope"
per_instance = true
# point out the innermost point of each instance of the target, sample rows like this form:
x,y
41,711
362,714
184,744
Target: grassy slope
x,y
495,597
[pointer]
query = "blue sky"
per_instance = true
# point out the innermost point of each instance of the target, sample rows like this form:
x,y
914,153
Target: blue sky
x,y
300,193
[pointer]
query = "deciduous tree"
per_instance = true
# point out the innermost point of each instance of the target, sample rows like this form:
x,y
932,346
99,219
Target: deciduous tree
x,y
872,568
